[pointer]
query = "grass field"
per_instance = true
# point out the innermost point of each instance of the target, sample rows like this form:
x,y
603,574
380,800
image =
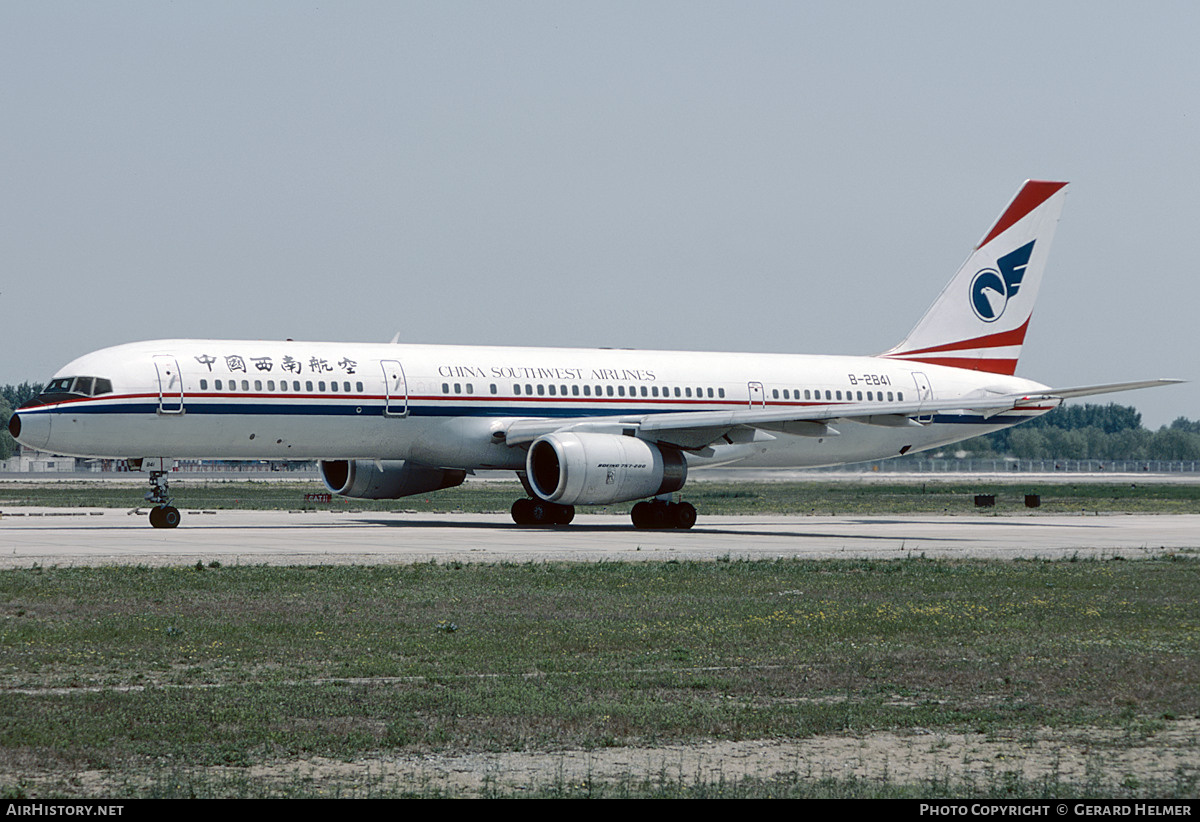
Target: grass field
x,y
135,681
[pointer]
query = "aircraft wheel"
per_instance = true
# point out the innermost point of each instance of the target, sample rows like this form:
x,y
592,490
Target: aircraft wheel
x,y
164,516
638,515
685,515
522,511
541,512
652,515
566,513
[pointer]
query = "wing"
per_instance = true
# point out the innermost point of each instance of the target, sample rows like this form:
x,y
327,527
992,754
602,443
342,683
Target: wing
x,y
695,430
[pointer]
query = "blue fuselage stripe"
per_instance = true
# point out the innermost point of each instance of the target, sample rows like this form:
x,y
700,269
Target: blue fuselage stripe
x,y
374,408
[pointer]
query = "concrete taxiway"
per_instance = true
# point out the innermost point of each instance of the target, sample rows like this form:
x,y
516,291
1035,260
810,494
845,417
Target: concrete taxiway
x,y
56,536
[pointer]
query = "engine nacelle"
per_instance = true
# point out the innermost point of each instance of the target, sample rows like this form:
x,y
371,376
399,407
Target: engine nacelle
x,y
363,479
596,469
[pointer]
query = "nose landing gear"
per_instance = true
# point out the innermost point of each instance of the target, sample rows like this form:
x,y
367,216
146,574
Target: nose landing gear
x,y
163,514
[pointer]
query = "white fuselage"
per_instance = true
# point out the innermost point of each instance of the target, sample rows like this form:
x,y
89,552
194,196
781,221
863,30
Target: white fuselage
x,y
441,405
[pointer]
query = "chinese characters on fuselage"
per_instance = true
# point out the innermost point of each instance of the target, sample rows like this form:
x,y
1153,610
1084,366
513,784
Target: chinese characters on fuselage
x,y
317,365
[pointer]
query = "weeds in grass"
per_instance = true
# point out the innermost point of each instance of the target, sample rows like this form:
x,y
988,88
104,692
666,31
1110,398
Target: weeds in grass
x,y
115,668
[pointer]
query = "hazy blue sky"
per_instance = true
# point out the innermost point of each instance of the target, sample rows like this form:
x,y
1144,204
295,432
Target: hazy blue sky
x,y
798,177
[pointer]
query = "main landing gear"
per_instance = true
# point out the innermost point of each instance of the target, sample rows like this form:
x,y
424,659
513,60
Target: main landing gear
x,y
527,511
650,514
660,514
163,514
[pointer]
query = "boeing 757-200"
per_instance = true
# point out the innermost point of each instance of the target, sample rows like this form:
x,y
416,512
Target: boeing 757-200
x,y
578,426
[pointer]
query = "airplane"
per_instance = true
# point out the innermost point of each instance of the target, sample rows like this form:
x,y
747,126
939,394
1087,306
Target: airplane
x,y
578,426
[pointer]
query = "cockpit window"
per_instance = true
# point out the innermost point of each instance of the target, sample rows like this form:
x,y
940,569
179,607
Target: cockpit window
x,y
79,386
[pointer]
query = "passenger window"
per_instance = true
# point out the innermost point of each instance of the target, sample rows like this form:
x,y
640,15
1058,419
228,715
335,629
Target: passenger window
x,y
358,386
721,393
258,385
610,390
553,390
308,385
493,388
889,396
445,388
217,384
587,391
900,396
270,385
296,385
245,385
203,385
541,390
333,387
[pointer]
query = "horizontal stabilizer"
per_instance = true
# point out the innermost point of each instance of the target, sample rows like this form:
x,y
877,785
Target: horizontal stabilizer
x,y
1092,390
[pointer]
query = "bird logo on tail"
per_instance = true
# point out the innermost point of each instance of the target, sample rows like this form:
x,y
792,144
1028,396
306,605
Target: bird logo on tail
x,y
991,289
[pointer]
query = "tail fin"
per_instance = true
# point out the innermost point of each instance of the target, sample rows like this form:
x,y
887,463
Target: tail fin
x,y
979,320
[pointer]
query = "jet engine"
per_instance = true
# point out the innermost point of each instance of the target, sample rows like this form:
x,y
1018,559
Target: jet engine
x,y
596,469
386,479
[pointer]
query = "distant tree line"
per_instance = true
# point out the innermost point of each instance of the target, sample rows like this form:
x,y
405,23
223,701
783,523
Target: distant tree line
x,y
1074,432
11,396
1091,432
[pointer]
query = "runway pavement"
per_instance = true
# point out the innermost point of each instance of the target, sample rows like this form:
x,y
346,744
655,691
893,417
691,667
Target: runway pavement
x,y
56,536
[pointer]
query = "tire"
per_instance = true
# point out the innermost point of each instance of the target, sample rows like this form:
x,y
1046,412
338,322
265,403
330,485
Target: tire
x,y
638,515
522,511
685,515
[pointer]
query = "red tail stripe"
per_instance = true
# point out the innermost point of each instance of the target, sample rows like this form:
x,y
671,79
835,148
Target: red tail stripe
x,y
993,366
1001,339
1032,195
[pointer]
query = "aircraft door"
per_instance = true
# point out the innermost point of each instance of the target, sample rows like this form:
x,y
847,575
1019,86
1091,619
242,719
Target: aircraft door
x,y
170,384
758,397
924,393
395,389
